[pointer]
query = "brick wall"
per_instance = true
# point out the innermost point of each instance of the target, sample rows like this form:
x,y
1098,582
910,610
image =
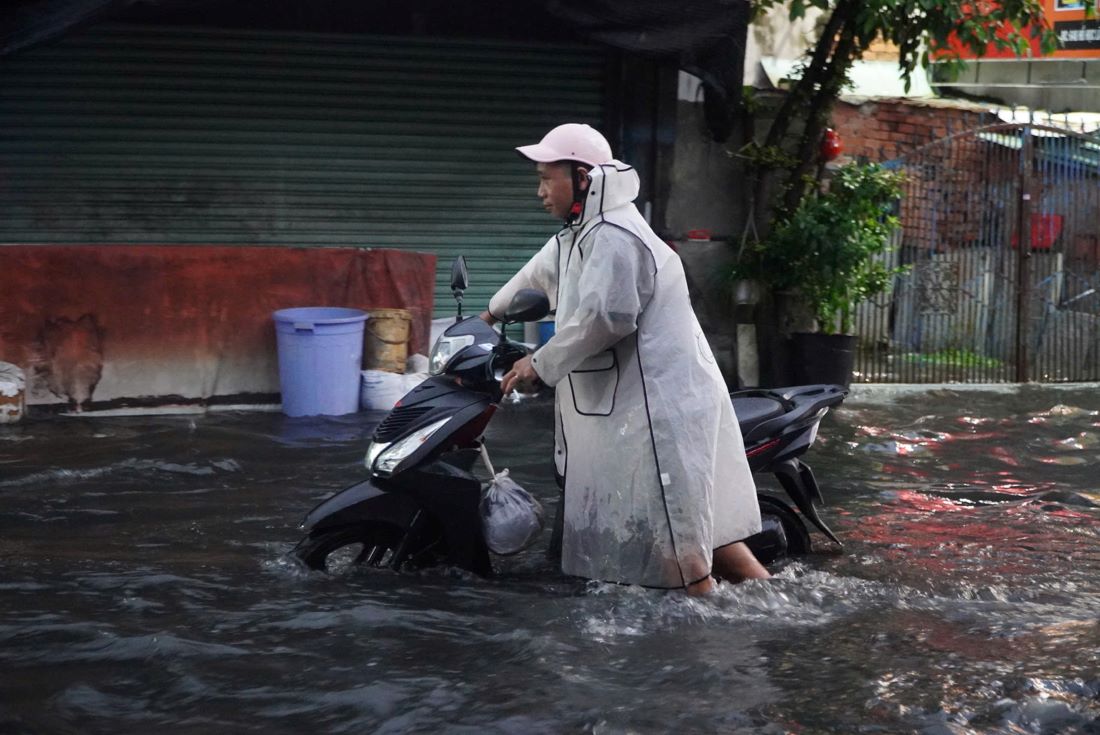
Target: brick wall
x,y
883,129
938,211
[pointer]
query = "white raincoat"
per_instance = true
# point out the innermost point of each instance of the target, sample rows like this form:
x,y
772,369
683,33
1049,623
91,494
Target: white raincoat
x,y
655,470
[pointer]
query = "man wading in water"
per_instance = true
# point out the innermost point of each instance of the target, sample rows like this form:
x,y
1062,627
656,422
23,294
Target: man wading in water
x,y
657,485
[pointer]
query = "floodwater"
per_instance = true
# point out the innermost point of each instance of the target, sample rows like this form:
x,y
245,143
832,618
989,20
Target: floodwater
x,y
145,588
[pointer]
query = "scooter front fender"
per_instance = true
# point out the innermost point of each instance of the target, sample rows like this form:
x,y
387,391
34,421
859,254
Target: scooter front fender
x,y
452,500
362,501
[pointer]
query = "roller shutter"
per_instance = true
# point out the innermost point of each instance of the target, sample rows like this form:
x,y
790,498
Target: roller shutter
x,y
133,134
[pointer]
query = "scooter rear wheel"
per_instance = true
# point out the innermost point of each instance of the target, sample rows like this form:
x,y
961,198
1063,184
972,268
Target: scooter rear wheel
x,y
339,551
783,532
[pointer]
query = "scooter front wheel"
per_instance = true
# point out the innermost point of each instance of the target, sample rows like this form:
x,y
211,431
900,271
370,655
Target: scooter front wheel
x,y
339,551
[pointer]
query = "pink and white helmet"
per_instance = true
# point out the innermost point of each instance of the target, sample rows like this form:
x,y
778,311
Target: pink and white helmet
x,y
570,142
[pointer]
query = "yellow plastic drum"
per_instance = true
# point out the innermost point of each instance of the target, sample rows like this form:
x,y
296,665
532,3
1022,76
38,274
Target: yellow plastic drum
x,y
386,340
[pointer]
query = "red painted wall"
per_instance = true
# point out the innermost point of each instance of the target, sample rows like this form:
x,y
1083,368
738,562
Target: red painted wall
x,y
102,326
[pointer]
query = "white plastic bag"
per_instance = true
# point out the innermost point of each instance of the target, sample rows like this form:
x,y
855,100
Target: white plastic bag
x,y
416,363
510,517
379,390
413,379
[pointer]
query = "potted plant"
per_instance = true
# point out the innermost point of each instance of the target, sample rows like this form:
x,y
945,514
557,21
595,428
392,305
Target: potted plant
x,y
828,253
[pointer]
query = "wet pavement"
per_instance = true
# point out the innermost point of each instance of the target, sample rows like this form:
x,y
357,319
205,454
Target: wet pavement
x,y
145,587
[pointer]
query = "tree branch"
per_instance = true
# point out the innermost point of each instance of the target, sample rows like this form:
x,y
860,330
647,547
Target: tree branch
x,y
810,79
821,105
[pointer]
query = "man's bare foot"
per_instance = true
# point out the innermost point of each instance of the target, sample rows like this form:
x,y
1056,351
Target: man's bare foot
x,y
735,563
703,587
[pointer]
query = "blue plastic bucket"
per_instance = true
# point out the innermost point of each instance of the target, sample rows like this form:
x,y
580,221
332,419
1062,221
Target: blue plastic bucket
x,y
320,349
546,331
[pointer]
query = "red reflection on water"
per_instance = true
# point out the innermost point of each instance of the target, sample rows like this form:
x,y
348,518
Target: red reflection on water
x,y
940,534
904,470
1003,455
1067,513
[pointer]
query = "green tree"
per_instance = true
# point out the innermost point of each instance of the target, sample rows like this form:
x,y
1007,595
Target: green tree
x,y
919,29
832,248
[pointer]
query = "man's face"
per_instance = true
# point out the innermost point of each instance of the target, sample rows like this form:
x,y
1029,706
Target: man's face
x,y
555,188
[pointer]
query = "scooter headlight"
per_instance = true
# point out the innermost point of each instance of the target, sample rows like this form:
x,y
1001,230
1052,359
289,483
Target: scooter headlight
x,y
446,348
389,456
373,450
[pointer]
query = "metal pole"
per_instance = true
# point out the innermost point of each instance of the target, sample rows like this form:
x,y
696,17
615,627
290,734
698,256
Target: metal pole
x,y
1023,258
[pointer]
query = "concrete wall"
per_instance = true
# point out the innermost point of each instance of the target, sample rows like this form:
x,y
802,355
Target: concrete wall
x,y
705,190
706,194
774,34
1055,85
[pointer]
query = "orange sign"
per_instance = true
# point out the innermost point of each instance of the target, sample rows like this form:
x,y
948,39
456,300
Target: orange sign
x,y
1078,34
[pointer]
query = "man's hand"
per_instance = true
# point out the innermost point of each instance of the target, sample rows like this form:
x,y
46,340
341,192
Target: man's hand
x,y
488,318
522,377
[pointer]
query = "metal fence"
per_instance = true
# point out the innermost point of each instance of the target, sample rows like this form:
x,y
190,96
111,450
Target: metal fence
x,y
1000,238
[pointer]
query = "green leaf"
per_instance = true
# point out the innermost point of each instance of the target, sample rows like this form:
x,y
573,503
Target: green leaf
x,y
827,247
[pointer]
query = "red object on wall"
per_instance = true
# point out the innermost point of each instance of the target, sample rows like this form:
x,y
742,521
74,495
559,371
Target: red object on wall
x,y
103,326
831,145
1045,230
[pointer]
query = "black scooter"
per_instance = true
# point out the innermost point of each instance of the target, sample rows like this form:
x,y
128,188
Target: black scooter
x,y
419,506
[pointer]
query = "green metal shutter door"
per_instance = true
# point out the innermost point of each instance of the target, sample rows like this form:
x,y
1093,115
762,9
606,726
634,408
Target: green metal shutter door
x,y
127,134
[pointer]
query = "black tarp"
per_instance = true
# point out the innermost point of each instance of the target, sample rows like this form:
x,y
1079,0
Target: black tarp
x,y
705,37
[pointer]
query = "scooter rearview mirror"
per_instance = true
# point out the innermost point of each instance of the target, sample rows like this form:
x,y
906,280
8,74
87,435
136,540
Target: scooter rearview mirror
x,y
460,277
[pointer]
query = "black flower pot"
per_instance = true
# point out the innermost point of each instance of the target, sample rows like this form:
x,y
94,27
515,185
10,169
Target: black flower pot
x,y
823,358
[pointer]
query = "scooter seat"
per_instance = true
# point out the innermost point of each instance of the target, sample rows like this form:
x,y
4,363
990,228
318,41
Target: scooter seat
x,y
754,410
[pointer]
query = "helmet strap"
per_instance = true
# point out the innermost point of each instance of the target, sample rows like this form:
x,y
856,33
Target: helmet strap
x,y
577,207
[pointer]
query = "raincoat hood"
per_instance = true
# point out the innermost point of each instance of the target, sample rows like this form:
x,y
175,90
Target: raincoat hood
x,y
611,185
